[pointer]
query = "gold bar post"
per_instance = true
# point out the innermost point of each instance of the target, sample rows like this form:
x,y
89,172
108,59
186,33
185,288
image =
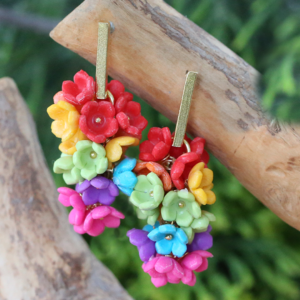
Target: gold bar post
x,y
101,73
184,109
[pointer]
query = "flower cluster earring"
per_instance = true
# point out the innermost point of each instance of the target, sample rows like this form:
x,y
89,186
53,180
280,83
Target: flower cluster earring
x,y
168,185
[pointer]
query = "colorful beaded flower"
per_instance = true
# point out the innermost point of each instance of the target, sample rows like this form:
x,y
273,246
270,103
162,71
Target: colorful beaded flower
x,y
94,141
167,186
172,186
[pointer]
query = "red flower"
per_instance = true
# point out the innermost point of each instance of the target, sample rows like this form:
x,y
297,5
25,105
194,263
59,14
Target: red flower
x,y
116,88
182,167
157,146
81,90
177,151
197,145
129,116
97,121
186,161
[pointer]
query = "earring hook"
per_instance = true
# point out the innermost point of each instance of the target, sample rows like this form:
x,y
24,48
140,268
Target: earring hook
x,y
184,109
101,62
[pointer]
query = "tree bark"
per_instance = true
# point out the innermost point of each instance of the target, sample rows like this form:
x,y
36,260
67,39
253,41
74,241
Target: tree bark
x,y
150,51
40,255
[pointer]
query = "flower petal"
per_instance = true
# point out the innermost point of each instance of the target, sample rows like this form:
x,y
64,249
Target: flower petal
x,y
184,218
178,249
155,235
164,264
97,228
168,214
111,222
163,246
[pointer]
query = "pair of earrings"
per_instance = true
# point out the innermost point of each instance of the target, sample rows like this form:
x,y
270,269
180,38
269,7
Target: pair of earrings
x,y
168,185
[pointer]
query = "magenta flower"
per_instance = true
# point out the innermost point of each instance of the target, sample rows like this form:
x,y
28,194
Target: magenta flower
x,y
91,219
69,197
101,217
163,269
65,195
194,261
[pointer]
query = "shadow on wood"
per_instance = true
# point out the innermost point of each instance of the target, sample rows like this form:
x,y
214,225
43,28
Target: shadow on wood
x,y
150,50
40,255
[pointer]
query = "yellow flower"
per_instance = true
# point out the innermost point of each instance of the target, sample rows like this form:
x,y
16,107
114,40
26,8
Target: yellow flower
x,y
114,150
200,184
68,147
66,125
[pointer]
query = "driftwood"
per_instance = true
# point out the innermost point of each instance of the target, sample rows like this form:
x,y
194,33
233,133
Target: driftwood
x,y
40,255
150,51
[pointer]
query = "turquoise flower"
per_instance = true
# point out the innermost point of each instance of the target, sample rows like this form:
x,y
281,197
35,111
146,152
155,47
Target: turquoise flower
x,y
123,176
149,228
169,239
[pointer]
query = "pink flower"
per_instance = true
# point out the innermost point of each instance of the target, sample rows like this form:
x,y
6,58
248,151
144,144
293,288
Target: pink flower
x,y
194,261
88,219
64,195
163,269
81,90
101,217
69,197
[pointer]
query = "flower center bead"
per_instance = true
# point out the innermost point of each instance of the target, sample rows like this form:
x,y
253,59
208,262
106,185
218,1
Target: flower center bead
x,y
151,194
181,204
98,120
93,154
169,237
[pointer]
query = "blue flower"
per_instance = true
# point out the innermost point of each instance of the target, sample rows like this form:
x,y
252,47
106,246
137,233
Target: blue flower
x,y
169,239
149,228
123,176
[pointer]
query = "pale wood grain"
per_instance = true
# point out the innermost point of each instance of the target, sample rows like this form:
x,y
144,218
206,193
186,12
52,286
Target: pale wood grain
x,y
41,257
151,49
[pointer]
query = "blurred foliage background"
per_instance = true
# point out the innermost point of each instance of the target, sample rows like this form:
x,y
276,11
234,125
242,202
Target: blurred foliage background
x,y
256,255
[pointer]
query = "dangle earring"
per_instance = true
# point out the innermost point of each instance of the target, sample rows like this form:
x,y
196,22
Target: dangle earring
x,y
168,185
173,182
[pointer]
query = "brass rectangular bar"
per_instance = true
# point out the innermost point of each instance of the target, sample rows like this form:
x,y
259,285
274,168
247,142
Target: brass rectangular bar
x,y
101,72
184,109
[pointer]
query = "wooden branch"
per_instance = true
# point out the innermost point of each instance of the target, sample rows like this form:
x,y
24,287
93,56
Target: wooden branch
x,y
150,51
40,255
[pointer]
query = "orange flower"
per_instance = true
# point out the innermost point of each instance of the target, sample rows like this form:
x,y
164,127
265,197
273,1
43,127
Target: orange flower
x,y
144,168
200,184
66,125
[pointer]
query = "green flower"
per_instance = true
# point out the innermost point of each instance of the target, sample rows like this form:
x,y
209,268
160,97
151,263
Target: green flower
x,y
148,192
199,225
64,165
90,159
180,206
150,215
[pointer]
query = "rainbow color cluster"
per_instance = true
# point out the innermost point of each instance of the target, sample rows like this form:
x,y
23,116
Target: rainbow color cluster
x,y
168,186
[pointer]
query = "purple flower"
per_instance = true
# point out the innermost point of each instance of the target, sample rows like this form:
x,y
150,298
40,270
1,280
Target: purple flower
x,y
99,189
146,247
201,241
